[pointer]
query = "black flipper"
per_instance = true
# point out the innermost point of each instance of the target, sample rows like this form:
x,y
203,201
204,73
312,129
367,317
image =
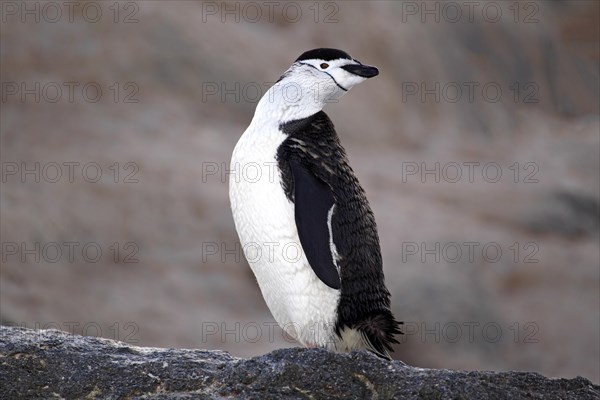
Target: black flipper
x,y
313,201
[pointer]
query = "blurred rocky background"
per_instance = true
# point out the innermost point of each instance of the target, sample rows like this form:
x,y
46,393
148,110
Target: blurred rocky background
x,y
478,146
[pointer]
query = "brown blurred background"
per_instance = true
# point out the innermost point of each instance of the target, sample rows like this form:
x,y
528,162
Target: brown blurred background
x,y
489,271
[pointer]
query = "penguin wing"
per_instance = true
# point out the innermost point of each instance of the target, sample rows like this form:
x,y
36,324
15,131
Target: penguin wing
x,y
314,204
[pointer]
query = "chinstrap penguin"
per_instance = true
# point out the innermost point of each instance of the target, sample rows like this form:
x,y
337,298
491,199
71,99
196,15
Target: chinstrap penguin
x,y
302,217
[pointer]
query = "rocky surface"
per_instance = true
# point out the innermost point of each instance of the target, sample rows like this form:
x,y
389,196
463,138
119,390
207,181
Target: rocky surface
x,y
52,363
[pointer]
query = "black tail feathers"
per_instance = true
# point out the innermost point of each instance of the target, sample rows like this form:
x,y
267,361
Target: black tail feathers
x,y
378,331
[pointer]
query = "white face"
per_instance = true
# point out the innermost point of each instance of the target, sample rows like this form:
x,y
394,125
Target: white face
x,y
325,81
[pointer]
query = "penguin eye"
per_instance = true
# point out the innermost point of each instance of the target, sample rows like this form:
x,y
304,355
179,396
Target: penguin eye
x,y
324,66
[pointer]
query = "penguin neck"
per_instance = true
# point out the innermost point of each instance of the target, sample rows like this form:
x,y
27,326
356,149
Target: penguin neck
x,y
288,101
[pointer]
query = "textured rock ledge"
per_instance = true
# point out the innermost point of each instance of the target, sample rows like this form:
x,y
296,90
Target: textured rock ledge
x,y
55,364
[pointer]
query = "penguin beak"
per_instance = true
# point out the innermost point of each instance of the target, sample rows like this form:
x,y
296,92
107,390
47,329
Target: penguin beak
x,y
364,71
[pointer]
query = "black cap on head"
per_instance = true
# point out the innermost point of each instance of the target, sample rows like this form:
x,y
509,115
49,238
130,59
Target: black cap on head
x,y
324,54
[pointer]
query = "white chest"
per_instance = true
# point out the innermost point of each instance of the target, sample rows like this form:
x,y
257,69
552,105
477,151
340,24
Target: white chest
x,y
302,305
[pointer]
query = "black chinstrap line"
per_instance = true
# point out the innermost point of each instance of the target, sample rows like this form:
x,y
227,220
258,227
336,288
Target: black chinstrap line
x,y
312,66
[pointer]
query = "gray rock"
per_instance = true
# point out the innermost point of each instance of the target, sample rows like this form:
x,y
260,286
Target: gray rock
x,y
56,364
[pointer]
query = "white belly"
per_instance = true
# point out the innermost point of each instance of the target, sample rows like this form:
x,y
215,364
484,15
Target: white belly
x,y
264,218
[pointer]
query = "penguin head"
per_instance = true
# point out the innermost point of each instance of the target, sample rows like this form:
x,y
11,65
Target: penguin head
x,y
326,74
